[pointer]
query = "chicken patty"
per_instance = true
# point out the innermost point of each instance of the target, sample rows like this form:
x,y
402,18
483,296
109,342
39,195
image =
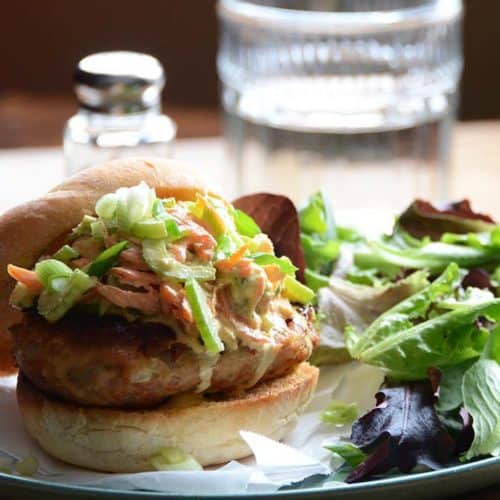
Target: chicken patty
x,y
112,363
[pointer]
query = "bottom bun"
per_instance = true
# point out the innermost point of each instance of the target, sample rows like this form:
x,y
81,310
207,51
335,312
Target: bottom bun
x,y
125,440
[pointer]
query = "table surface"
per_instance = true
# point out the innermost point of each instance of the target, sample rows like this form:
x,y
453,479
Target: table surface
x,y
473,173
474,169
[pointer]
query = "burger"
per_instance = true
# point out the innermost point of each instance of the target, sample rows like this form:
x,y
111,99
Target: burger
x,y
150,318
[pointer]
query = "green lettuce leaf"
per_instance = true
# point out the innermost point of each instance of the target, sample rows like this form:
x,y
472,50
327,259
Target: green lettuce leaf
x,y
340,413
319,254
316,217
415,335
404,314
402,250
351,454
450,387
492,347
481,395
343,303
434,256
318,234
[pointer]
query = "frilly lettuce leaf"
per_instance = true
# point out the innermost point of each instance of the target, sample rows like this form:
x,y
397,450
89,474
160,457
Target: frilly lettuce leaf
x,y
423,219
415,335
403,430
318,234
316,217
481,395
343,303
427,238
321,238
450,387
435,256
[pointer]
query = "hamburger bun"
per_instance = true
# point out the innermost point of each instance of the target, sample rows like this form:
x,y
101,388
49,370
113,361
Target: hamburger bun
x,y
115,440
28,230
87,390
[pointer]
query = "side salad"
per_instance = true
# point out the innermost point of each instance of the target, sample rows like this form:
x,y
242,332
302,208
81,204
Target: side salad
x,y
423,304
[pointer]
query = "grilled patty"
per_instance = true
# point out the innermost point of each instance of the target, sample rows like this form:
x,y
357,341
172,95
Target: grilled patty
x,y
112,363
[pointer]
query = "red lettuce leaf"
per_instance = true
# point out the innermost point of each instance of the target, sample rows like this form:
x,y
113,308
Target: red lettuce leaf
x,y
466,434
402,431
422,218
276,216
478,278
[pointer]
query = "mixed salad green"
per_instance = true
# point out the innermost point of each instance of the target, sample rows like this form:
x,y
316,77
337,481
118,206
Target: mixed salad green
x,y
423,304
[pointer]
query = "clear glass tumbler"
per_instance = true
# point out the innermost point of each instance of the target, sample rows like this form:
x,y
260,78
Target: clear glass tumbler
x,y
354,96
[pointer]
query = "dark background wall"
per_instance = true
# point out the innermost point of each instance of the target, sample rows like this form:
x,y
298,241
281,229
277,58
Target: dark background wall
x,y
481,79
40,41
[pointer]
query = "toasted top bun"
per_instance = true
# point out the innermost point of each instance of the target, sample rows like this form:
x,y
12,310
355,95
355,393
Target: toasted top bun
x,y
27,230
115,440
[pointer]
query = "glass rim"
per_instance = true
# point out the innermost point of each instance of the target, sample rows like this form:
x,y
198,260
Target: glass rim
x,y
327,22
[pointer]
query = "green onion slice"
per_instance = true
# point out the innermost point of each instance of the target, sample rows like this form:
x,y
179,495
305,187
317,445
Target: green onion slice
x,y
245,225
203,317
106,260
296,291
171,458
66,253
27,466
58,283
284,263
158,209
171,228
53,305
315,280
173,231
98,229
84,227
156,256
106,206
22,297
340,413
227,244
133,205
154,229
47,270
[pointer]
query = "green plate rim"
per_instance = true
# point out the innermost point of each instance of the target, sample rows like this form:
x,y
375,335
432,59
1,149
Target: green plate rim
x,y
408,479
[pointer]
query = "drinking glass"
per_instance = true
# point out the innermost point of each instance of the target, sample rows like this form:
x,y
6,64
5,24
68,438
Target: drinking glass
x,y
353,96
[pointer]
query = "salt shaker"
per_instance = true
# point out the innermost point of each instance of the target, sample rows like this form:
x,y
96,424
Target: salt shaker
x,y
119,94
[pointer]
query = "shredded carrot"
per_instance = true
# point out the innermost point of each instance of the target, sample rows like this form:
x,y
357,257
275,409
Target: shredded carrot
x,y
238,255
230,263
274,273
26,277
244,268
178,303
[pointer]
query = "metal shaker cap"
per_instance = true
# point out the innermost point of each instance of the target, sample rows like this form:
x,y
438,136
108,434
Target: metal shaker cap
x,y
119,82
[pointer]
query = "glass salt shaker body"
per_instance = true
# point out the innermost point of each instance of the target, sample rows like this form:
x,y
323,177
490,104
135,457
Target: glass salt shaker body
x,y
120,110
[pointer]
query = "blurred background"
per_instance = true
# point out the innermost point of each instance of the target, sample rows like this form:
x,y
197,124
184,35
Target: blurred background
x,y
42,41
